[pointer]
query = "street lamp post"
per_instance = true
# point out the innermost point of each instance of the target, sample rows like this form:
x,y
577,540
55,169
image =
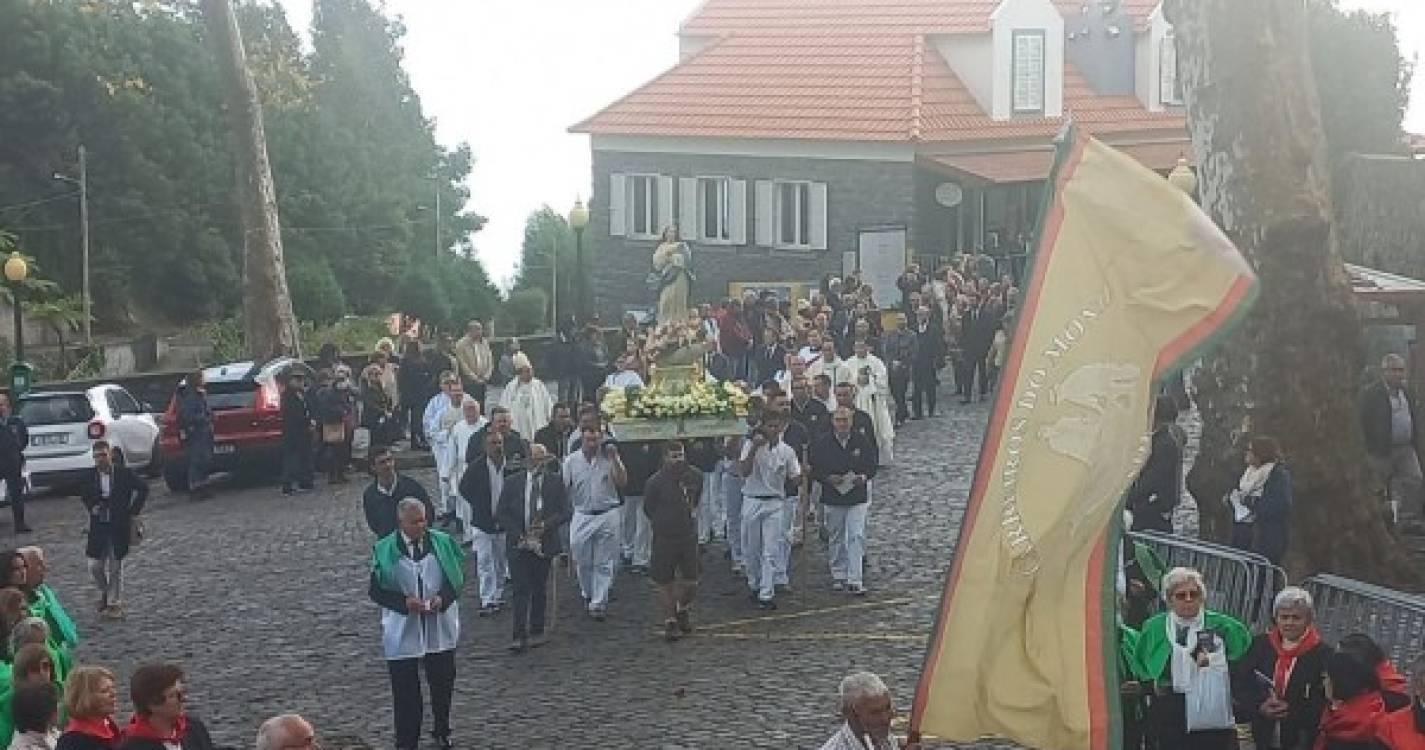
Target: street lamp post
x,y
436,180
16,269
578,220
83,184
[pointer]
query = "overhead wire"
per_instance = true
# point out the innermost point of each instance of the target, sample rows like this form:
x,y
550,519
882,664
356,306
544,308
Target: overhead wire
x,y
40,201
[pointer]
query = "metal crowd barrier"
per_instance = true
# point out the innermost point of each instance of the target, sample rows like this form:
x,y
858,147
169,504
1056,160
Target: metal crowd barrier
x,y
1393,619
1239,583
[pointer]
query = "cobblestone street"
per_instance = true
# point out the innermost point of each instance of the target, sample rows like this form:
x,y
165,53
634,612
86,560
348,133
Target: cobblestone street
x,y
263,600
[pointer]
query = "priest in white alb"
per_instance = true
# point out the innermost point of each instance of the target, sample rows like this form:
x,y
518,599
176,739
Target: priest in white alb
x,y
442,413
873,394
527,399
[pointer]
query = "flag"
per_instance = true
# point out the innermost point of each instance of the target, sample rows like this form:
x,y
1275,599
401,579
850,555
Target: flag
x,y
1130,280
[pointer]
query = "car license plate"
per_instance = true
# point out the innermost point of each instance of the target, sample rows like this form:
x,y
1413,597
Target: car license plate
x,y
223,448
51,439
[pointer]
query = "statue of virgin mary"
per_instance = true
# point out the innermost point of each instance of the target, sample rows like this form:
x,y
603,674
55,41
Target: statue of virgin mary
x,y
672,277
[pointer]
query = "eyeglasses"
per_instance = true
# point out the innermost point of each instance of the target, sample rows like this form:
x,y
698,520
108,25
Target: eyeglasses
x,y
1191,595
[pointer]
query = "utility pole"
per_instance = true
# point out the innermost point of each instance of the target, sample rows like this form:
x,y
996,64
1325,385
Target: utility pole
x,y
83,184
554,287
84,239
436,179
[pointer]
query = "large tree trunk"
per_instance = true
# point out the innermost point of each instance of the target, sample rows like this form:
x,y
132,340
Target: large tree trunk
x,y
1292,369
267,309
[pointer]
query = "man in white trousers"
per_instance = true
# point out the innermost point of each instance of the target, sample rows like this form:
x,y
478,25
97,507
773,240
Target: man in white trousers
x,y
843,464
593,476
767,464
442,413
481,486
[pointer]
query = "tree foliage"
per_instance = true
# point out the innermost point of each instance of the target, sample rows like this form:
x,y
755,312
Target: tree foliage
x,y
1362,78
421,295
354,157
522,313
548,239
316,295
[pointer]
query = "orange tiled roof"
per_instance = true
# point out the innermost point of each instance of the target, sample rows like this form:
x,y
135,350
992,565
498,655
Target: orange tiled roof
x,y
773,73
836,17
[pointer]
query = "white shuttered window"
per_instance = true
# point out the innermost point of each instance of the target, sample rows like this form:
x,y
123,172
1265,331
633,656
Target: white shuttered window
x,y
1028,72
1169,91
799,215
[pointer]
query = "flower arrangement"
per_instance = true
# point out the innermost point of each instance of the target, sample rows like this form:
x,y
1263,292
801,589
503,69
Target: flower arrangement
x,y
699,399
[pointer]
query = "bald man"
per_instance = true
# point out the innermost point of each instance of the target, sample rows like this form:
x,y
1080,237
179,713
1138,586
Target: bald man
x,y
285,732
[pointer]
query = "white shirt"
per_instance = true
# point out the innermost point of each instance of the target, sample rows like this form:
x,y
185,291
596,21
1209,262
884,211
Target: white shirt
x,y
772,468
497,482
106,484
590,483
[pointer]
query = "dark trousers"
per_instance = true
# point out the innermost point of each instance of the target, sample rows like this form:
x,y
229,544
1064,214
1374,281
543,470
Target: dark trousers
x,y
411,414
476,391
406,691
975,367
926,384
296,460
900,385
200,457
1167,720
530,574
15,491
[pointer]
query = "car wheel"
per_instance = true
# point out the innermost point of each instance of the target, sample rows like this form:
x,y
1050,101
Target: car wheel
x,y
176,477
155,461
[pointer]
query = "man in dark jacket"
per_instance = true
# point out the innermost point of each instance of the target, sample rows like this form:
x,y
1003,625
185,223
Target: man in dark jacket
x,y
1392,438
670,500
1154,494
929,358
811,413
898,351
555,435
113,495
843,464
195,430
532,509
297,424
13,440
481,487
381,497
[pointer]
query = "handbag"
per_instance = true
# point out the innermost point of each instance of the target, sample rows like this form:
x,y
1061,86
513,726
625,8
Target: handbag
x,y
1209,696
333,433
136,532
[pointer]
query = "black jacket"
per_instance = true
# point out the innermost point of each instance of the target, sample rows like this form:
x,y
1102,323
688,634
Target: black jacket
x,y
475,489
929,348
555,511
829,457
813,416
296,415
1271,532
1376,419
549,437
1154,494
670,501
14,438
1305,695
74,740
380,508
769,361
718,365
195,416
195,738
127,495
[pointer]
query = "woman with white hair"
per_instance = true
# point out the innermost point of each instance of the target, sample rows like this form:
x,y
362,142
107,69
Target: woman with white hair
x,y
1280,682
1187,649
526,397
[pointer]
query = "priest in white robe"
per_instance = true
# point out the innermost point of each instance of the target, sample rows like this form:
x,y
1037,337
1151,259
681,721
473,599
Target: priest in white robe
x,y
873,394
442,413
527,399
471,422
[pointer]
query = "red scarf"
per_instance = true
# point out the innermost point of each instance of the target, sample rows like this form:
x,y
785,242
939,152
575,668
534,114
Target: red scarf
x,y
142,728
1353,720
101,727
1391,681
1286,657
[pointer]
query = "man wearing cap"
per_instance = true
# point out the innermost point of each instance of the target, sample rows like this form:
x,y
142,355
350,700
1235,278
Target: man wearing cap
x,y
526,397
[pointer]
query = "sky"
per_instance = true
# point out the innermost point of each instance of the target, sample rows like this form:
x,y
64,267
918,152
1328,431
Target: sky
x,y
509,77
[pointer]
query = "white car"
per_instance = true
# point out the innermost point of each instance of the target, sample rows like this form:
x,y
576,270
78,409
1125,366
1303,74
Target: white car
x,y
63,426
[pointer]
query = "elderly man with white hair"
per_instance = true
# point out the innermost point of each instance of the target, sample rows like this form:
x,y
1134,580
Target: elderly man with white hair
x,y
286,732
867,711
44,602
471,422
442,413
1292,655
416,576
1183,650
526,397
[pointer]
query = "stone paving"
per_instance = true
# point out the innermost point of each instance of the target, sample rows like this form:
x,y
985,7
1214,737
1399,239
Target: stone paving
x,y
263,599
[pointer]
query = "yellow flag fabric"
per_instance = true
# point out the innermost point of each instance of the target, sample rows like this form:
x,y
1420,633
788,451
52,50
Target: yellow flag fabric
x,y
1129,279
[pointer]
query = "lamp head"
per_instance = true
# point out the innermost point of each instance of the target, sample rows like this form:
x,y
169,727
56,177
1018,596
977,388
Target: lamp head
x,y
1183,178
578,216
16,269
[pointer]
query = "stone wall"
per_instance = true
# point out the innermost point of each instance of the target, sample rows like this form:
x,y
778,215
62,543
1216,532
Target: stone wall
x,y
860,195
